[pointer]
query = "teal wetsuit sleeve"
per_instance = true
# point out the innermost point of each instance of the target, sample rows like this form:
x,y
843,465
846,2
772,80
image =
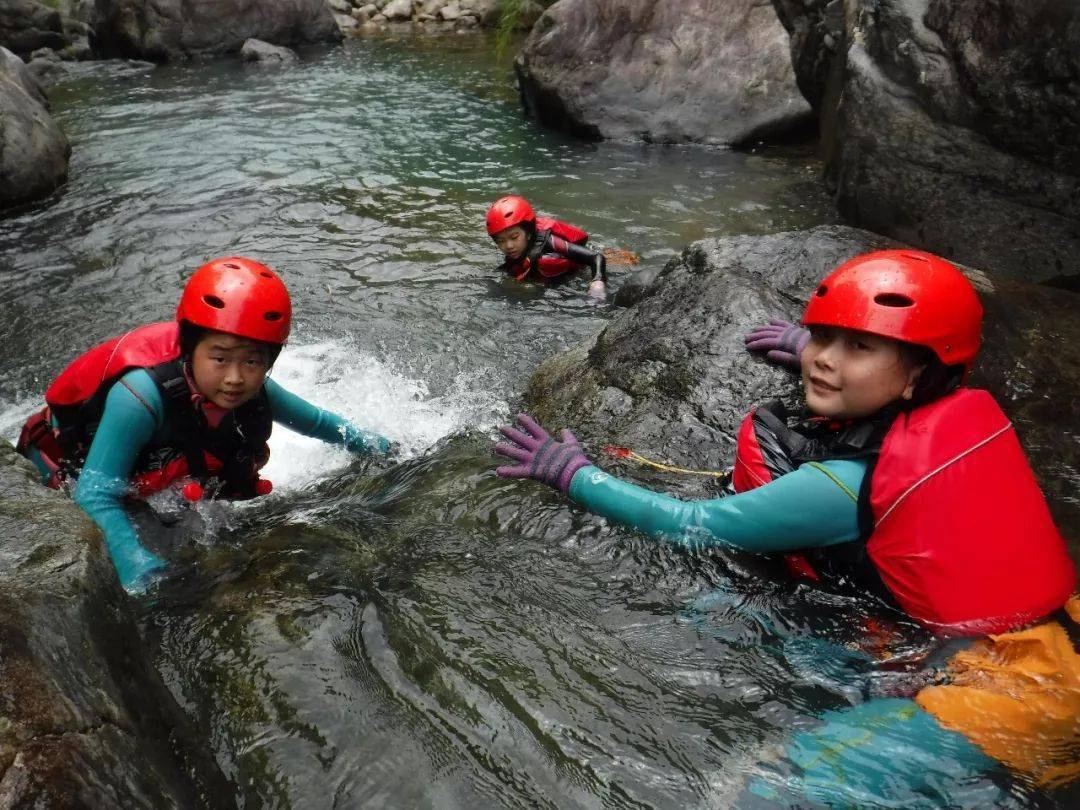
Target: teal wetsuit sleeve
x,y
814,506
296,413
131,415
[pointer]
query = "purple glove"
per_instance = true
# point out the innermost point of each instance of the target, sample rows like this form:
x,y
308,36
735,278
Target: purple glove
x,y
782,342
547,460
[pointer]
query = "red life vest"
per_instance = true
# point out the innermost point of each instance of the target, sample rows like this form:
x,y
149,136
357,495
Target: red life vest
x,y
548,265
751,471
962,537
233,451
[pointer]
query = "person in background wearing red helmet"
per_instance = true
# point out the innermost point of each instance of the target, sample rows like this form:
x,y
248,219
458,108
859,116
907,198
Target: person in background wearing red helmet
x,y
905,481
185,402
541,248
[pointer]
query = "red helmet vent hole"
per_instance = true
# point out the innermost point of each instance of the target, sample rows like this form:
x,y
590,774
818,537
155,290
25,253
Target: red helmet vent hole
x,y
264,274
893,300
821,290
272,316
232,265
214,301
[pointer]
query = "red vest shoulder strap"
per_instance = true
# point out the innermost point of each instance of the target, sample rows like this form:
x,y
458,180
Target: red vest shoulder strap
x,y
142,347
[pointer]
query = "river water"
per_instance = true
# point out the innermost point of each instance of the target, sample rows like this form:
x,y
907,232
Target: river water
x,y
420,634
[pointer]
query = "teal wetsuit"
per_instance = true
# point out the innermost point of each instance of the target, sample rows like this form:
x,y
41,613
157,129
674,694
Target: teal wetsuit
x,y
885,750
132,418
813,507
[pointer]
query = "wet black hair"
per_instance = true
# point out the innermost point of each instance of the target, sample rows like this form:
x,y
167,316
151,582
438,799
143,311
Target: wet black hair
x,y
191,335
935,380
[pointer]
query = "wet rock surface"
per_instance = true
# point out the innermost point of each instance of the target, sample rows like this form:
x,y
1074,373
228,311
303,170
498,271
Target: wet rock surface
x,y
163,30
33,151
85,721
255,50
26,25
58,26
669,377
709,71
953,125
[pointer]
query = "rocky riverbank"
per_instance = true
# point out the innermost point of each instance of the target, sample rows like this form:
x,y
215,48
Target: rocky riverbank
x,y
704,71
429,15
33,151
85,720
951,125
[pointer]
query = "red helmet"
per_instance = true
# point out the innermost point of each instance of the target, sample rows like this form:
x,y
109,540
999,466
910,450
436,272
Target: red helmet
x,y
506,212
906,295
239,296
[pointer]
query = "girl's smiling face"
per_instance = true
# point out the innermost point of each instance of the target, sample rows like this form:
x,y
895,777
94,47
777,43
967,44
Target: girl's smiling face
x,y
229,370
848,374
512,241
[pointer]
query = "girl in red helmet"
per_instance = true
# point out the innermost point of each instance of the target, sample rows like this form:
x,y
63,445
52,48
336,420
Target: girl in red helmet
x,y
185,402
901,478
541,248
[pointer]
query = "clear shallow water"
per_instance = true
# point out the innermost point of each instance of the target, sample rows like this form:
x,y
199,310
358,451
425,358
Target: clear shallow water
x,y
421,634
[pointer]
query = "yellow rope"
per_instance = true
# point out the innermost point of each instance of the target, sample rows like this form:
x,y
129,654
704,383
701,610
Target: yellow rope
x,y
622,452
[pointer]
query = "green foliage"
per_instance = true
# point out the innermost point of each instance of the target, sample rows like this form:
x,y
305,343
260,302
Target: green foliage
x,y
509,21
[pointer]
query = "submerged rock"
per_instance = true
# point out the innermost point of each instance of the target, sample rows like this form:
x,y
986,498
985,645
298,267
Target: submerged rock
x,y
255,50
671,379
708,71
953,125
162,30
85,721
33,151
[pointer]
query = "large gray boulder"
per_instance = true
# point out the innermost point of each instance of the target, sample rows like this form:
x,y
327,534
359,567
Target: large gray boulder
x,y
85,721
163,30
953,125
707,71
670,378
33,151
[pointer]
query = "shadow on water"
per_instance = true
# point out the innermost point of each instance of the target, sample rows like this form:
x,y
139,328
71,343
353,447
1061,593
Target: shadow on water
x,y
424,634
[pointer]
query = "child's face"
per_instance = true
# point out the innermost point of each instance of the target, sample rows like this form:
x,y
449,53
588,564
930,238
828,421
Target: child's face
x,y
229,370
848,374
512,241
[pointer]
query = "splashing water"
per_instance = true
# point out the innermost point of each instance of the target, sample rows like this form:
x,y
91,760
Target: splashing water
x,y
367,391
375,396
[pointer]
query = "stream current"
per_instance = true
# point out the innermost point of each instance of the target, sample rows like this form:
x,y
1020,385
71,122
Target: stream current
x,y
421,634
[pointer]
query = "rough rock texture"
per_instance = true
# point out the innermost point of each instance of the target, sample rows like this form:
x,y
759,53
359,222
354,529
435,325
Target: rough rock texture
x,y
709,71
953,125
33,151
84,720
255,50
669,377
161,30
26,25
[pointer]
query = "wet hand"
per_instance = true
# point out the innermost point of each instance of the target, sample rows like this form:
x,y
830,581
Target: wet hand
x,y
782,342
136,567
541,457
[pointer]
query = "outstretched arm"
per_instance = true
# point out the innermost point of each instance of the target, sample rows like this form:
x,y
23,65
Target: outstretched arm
x,y
296,413
816,505
580,254
132,410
